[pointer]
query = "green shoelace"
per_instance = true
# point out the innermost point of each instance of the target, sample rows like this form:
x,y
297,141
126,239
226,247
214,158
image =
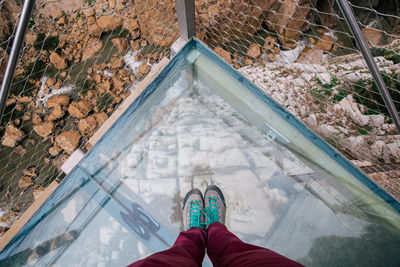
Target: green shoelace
x,y
195,215
212,212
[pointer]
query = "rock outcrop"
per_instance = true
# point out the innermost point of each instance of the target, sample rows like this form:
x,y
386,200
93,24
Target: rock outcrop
x,y
68,140
289,18
57,61
12,136
79,109
44,129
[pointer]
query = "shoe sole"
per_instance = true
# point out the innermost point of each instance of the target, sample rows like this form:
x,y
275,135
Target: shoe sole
x,y
216,189
191,192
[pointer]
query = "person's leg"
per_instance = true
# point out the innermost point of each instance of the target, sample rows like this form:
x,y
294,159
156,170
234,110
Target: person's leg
x,y
189,247
225,249
188,250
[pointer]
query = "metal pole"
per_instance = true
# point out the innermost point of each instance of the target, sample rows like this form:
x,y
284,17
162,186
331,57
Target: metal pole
x,y
186,20
15,51
362,44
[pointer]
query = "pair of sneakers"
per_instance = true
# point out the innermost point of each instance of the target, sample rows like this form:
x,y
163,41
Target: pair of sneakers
x,y
200,212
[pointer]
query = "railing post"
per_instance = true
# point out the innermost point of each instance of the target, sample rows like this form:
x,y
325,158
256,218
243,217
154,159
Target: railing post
x,y
15,51
186,20
363,45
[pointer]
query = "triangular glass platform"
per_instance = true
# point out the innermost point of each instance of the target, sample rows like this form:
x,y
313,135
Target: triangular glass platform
x,y
201,122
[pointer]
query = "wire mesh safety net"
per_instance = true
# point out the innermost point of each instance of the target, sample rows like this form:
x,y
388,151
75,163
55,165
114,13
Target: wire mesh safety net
x,y
80,60
302,53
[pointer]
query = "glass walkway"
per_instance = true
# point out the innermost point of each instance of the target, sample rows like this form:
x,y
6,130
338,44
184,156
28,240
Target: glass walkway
x,y
198,123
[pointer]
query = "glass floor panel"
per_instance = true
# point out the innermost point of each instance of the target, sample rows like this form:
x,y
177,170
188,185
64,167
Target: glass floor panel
x,y
199,123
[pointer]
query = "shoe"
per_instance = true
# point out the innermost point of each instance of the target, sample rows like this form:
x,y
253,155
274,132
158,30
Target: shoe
x,y
193,204
215,207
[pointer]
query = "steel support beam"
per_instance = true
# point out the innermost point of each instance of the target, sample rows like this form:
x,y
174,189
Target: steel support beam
x,y
186,20
15,51
348,14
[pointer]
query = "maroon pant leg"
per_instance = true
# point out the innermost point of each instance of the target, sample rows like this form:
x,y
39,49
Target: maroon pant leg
x,y
225,249
188,250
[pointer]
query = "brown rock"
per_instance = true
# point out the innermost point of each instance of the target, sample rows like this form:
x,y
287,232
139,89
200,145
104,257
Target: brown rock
x,y
144,69
111,4
117,63
104,87
117,83
132,25
31,141
24,99
248,61
121,44
79,109
373,36
89,12
230,20
56,13
68,140
5,218
57,100
19,107
44,129
107,23
271,57
310,56
254,51
325,43
57,61
20,150
27,116
87,126
12,136
94,30
11,101
92,46
97,78
31,171
36,119
54,150
213,10
289,19
30,38
269,43
56,113
59,161
90,20
157,29
25,182
225,55
37,190
276,50
100,118
327,14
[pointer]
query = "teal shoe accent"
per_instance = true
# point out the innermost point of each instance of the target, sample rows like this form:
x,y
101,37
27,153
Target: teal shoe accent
x,y
194,214
212,212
